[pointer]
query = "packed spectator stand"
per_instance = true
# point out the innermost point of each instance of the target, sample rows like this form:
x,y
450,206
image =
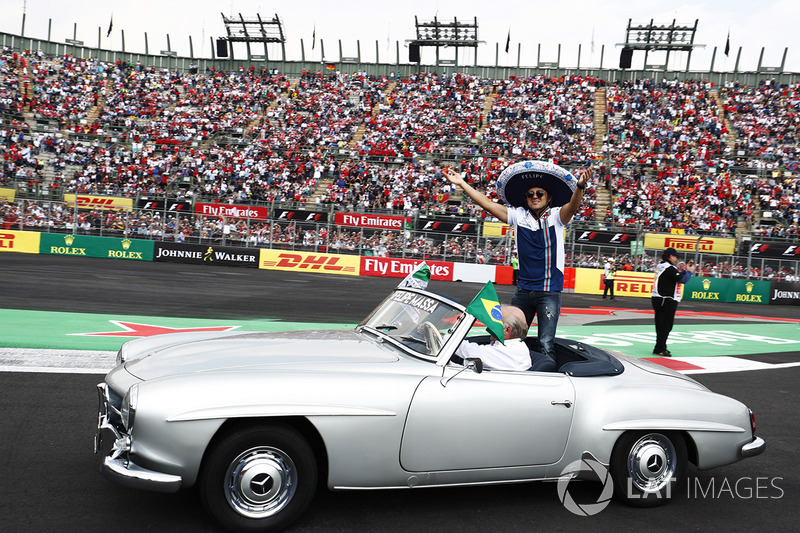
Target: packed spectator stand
x,y
674,154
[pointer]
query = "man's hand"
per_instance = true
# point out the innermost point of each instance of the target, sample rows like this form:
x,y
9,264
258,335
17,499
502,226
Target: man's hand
x,y
584,176
453,177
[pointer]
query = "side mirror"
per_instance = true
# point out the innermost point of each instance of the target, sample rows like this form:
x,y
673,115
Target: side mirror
x,y
474,364
470,363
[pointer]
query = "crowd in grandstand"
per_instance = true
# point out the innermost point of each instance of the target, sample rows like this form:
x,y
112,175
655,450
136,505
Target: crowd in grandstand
x,y
678,154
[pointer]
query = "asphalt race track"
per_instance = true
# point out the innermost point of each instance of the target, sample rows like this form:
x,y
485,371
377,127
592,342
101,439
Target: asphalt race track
x,y
50,482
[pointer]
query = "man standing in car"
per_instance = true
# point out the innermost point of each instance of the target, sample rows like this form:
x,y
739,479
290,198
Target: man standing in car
x,y
666,295
542,199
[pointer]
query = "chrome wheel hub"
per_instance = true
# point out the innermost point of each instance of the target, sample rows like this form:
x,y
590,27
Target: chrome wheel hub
x,y
260,482
652,463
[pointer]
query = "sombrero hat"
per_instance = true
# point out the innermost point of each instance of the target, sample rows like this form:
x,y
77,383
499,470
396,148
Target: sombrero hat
x,y
516,179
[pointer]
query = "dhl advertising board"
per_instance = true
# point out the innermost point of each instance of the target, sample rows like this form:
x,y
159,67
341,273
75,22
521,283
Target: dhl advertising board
x,y
590,281
689,243
89,246
7,194
309,262
86,201
727,290
26,242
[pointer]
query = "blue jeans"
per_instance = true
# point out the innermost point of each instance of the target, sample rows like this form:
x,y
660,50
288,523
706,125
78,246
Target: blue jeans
x,y
546,306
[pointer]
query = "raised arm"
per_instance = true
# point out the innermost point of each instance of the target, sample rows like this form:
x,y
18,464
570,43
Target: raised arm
x,y
569,210
498,210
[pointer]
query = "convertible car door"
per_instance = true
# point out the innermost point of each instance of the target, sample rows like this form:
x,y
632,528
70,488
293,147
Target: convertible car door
x,y
489,420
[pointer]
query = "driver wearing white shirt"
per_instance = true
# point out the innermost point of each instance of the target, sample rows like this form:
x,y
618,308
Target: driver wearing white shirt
x,y
513,355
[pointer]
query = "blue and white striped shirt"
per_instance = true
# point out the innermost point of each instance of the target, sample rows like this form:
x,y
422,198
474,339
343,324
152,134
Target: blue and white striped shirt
x,y
540,248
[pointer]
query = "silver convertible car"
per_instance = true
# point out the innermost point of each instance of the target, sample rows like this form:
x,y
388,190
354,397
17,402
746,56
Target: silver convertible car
x,y
257,420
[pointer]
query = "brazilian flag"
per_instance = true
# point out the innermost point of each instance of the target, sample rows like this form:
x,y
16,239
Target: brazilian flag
x,y
486,308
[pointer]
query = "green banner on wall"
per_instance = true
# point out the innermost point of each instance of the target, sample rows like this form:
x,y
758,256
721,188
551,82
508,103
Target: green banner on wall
x,y
727,290
89,246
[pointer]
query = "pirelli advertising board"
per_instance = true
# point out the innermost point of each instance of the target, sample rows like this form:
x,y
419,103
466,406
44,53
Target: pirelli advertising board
x,y
205,254
86,201
690,243
309,262
590,281
26,242
7,194
90,246
727,290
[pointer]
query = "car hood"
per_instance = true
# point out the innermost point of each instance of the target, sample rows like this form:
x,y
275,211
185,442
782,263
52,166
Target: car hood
x,y
169,355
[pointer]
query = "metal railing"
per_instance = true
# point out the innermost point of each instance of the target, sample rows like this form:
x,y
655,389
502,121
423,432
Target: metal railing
x,y
326,237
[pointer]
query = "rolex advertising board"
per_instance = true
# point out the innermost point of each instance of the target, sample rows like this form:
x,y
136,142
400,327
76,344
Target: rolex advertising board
x,y
90,246
727,290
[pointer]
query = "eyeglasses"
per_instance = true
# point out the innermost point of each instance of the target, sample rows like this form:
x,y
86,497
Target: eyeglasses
x,y
537,194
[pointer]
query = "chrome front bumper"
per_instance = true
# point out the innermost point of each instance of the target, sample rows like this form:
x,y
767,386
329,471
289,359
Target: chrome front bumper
x,y
756,447
113,447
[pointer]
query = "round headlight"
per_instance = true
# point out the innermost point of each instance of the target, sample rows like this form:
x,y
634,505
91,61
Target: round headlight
x,y
128,410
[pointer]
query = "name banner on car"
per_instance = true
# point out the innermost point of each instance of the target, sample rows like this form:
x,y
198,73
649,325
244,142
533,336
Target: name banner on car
x,y
604,237
232,211
775,250
362,220
26,242
447,225
300,215
399,268
309,262
690,243
86,201
206,254
727,290
90,246
784,293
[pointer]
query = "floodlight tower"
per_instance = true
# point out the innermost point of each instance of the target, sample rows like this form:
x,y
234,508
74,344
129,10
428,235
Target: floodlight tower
x,y
442,34
647,37
252,30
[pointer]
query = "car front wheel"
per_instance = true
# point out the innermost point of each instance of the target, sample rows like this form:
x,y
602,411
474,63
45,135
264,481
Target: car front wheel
x,y
259,478
646,466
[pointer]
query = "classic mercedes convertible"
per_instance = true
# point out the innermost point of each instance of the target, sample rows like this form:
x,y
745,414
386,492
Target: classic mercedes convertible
x,y
254,420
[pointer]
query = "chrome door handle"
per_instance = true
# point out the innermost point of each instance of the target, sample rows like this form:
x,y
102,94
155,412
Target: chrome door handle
x,y
568,403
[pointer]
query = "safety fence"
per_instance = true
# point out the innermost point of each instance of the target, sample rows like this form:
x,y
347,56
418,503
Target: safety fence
x,y
400,235
580,280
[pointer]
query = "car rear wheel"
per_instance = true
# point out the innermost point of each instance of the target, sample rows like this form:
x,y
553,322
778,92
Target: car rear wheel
x,y
646,466
259,478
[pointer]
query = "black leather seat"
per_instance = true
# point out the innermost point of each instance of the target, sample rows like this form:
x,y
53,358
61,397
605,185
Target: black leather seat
x,y
542,363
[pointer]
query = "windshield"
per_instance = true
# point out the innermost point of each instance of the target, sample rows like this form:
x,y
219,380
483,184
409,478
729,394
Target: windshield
x,y
415,320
